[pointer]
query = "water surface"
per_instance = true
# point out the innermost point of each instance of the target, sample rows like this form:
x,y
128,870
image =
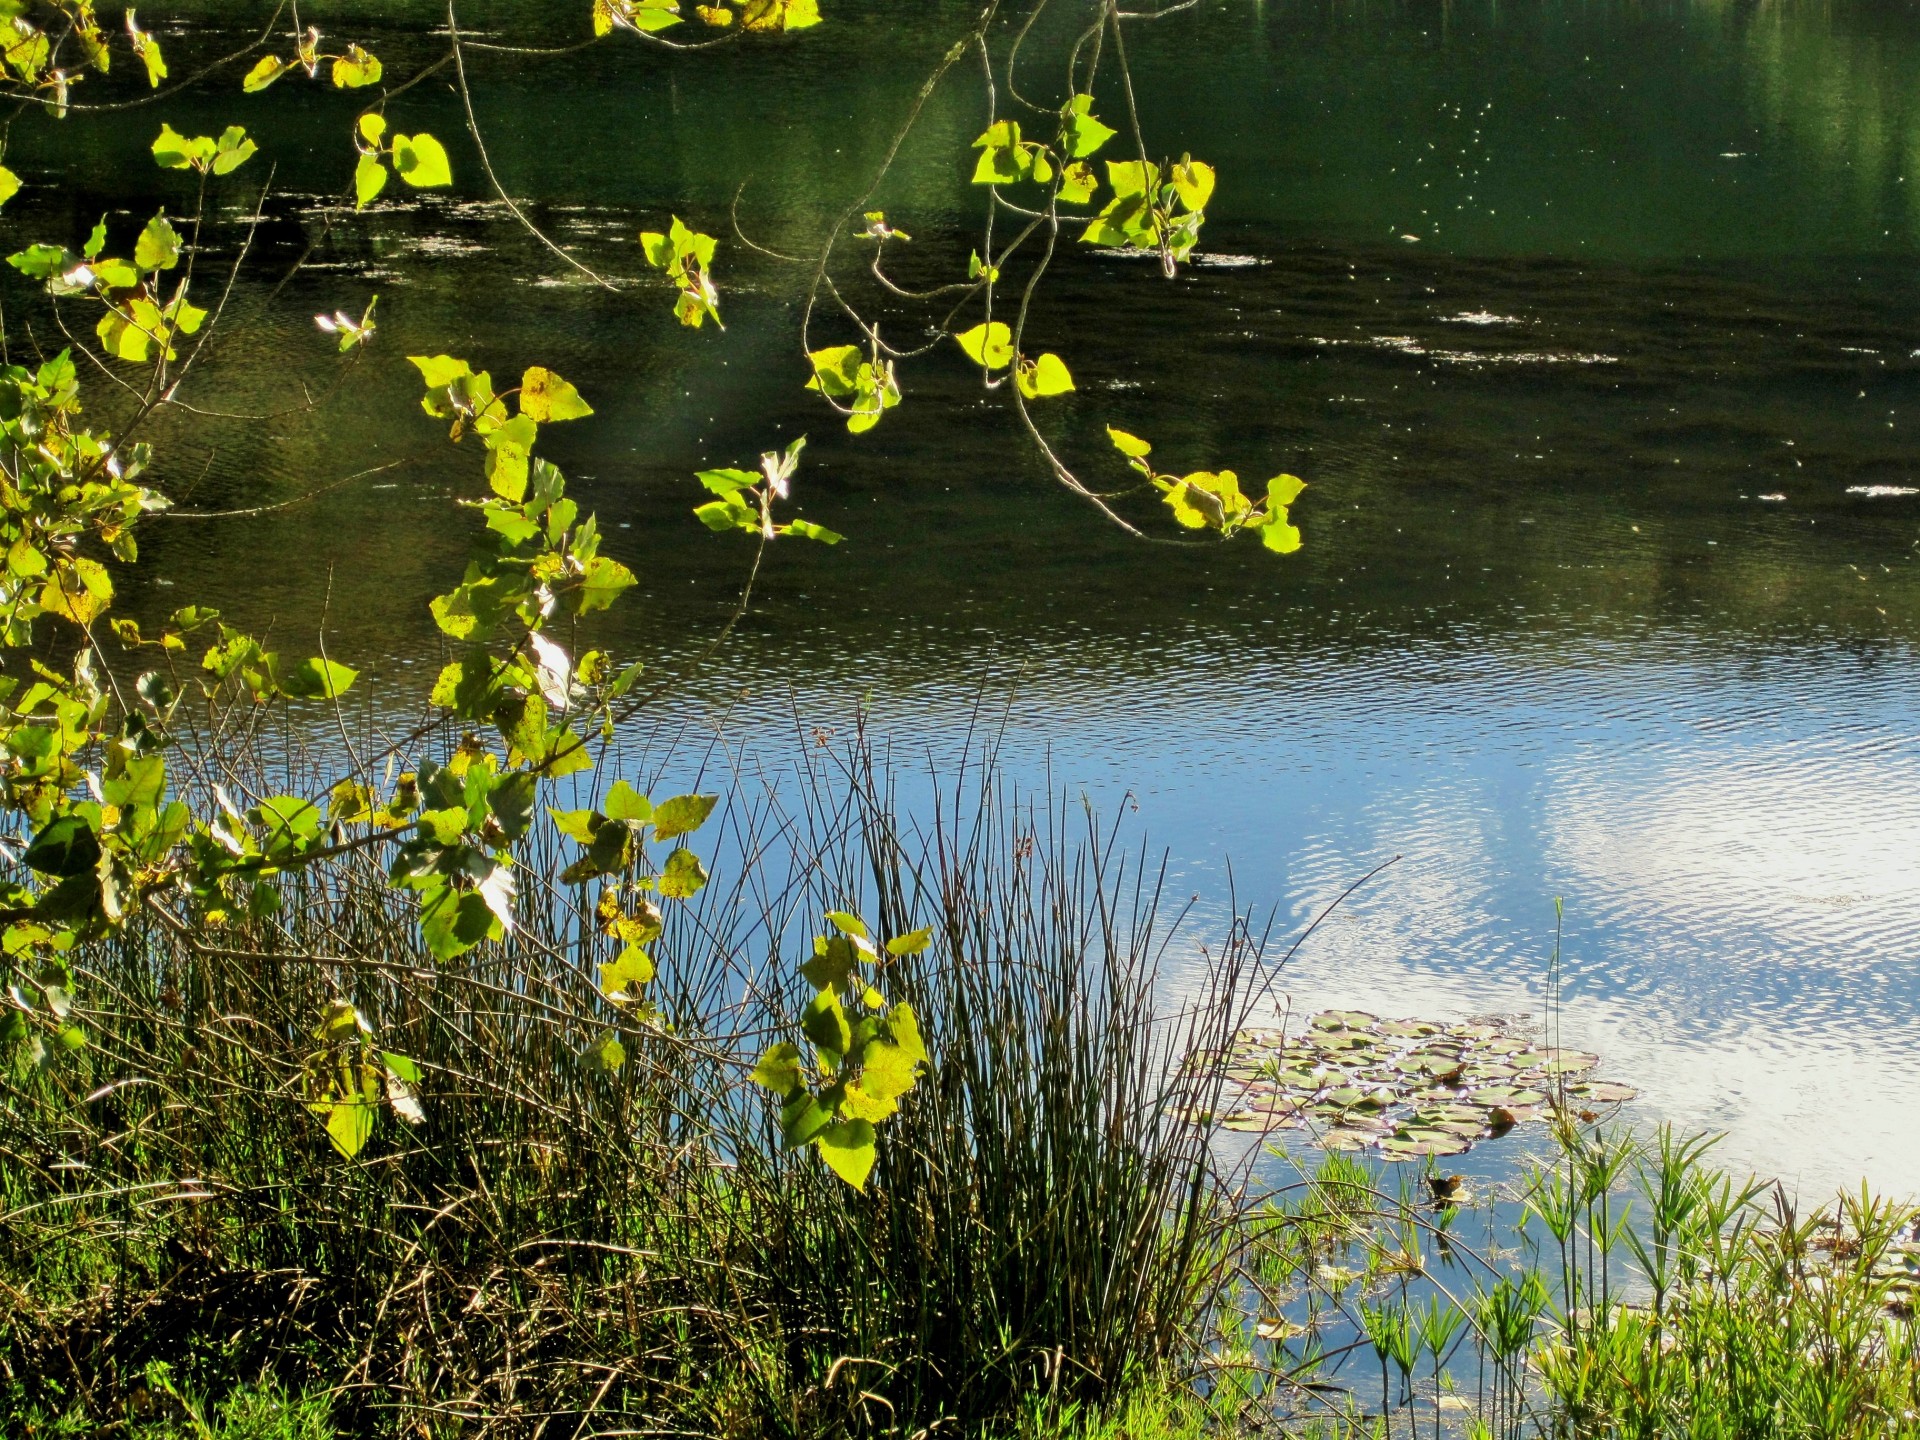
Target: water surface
x,y
1594,328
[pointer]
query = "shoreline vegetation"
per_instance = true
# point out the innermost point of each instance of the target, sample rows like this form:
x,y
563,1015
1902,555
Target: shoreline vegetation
x,y
1047,1246
428,1082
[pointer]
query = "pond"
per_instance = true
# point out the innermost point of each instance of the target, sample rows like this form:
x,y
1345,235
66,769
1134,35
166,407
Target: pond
x,y
1594,328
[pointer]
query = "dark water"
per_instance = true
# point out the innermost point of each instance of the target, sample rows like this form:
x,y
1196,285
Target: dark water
x,y
1595,329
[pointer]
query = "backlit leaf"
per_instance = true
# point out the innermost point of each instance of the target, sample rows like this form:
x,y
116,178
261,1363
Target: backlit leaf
x,y
682,815
350,1126
158,247
545,396
848,1148
369,179
265,71
989,345
356,68
421,161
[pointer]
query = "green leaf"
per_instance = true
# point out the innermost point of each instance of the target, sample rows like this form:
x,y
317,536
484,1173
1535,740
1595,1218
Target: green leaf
x,y
801,1118
847,923
832,963
887,1071
848,1148
174,151
1131,178
682,875
355,69
904,1026
350,1126
1003,157
313,679
1078,182
453,921
139,785
266,70
1045,377
1283,490
807,530
732,513
41,262
575,824
148,49
728,481
158,247
630,970
232,150
9,184
1193,183
439,371
421,161
912,943
287,820
682,815
990,345
1082,133
825,1023
66,846
1278,535
545,396
605,581
835,371
1132,446
623,802
779,1068
369,179
606,1055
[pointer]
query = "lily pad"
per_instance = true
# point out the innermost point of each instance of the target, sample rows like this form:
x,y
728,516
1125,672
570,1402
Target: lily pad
x,y
1258,1120
1420,1147
1568,1062
1603,1092
1412,1086
1344,1020
1344,1139
1408,1029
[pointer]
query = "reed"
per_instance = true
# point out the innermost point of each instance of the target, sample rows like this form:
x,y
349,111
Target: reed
x,y
564,1247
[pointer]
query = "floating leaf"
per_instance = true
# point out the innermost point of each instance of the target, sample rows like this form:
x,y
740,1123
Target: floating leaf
x,y
1604,1092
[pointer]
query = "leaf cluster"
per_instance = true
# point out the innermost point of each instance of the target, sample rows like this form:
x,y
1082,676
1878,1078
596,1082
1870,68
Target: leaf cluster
x,y
686,258
1213,500
746,498
863,1054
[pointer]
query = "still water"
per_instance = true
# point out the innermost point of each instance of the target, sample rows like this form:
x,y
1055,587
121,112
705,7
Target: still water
x,y
1595,328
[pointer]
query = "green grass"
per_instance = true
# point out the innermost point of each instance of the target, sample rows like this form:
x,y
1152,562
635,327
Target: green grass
x,y
158,1410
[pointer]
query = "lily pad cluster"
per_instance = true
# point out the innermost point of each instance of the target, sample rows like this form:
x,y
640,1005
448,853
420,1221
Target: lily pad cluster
x,y
1408,1088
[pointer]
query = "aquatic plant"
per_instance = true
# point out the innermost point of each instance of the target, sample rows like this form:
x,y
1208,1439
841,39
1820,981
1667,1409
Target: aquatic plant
x,y
1410,1088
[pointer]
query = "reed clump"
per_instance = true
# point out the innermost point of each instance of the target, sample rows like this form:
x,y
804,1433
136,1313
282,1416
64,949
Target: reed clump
x,y
570,1244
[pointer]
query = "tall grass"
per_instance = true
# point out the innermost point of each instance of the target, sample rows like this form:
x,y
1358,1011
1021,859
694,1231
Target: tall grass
x,y
560,1249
